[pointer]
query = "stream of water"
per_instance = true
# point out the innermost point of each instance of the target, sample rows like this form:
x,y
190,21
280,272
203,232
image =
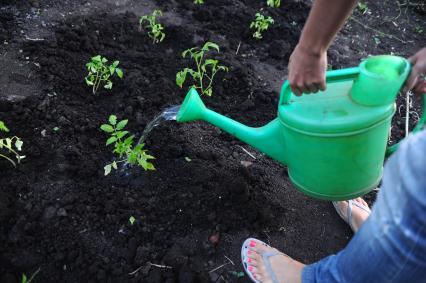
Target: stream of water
x,y
167,114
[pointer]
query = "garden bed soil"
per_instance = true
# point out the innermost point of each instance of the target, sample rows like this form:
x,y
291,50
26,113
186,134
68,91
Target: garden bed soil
x,y
60,214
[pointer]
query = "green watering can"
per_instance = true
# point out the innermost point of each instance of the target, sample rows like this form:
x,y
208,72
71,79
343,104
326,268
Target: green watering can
x,y
333,142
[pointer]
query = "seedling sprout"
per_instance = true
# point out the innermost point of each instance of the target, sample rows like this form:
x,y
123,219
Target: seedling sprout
x,y
206,70
260,24
100,73
155,29
11,145
123,146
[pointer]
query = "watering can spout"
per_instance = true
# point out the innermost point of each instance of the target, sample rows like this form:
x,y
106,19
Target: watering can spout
x,y
268,139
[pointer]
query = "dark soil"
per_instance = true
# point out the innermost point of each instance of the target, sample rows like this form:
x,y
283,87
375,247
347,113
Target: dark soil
x,y
60,214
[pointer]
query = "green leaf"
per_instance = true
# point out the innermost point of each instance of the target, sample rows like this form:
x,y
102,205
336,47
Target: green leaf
x,y
147,156
18,144
111,140
129,140
111,70
208,92
132,220
184,53
121,134
115,63
112,120
107,128
149,166
24,278
107,169
188,159
210,45
108,85
114,165
121,125
3,127
97,58
181,77
119,72
88,82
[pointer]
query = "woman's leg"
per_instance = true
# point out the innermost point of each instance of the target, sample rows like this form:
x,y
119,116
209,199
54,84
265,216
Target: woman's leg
x,y
391,245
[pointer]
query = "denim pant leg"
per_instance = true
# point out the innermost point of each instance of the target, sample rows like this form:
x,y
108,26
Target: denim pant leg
x,y
391,245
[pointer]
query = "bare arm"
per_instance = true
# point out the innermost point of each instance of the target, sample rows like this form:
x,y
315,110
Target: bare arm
x,y
308,62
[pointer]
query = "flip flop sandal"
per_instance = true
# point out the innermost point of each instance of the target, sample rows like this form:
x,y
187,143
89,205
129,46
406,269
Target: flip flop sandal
x,y
265,257
349,211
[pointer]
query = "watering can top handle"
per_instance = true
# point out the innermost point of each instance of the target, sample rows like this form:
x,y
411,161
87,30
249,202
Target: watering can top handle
x,y
330,76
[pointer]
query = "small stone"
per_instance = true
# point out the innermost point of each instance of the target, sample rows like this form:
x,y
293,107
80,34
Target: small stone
x,y
62,212
49,213
246,163
214,276
214,238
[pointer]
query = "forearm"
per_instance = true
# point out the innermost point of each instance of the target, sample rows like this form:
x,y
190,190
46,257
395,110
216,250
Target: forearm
x,y
325,20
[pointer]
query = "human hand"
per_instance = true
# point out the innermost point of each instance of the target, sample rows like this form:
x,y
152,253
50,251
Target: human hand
x,y
306,70
417,80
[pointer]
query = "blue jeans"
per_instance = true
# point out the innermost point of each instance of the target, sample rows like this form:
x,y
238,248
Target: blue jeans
x,y
391,244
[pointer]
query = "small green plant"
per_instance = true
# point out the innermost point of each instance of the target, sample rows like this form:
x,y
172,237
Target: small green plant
x,y
418,29
207,69
155,29
377,40
123,146
362,7
273,3
260,24
12,145
26,280
132,220
100,73
199,2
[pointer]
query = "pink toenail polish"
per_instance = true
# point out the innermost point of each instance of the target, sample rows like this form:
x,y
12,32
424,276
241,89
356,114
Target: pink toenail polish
x,y
250,268
248,252
249,260
252,244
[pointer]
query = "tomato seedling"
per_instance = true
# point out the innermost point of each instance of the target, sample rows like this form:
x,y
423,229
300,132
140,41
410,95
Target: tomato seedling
x,y
155,29
260,24
273,3
100,73
12,145
203,76
123,146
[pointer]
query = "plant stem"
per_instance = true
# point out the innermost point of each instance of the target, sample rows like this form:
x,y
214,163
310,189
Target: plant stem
x,y
7,158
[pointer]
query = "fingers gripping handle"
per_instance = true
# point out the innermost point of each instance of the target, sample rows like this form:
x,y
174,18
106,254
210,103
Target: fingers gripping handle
x,y
330,76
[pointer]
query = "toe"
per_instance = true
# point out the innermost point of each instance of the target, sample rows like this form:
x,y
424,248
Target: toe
x,y
254,260
253,270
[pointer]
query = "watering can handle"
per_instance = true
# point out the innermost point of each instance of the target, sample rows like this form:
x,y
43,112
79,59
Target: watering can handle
x,y
420,125
344,74
330,76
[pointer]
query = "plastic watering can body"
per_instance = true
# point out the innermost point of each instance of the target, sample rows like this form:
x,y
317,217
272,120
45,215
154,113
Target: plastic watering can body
x,y
333,142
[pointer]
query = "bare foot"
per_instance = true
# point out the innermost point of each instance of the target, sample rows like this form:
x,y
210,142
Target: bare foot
x,y
286,269
358,215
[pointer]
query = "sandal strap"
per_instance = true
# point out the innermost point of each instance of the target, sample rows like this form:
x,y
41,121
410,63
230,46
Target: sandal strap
x,y
349,214
363,207
268,266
